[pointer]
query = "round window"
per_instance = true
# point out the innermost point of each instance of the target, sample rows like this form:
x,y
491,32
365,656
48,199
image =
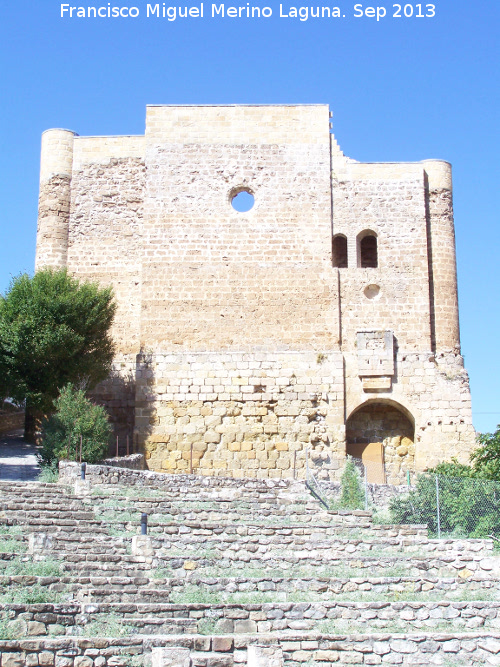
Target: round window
x,y
242,201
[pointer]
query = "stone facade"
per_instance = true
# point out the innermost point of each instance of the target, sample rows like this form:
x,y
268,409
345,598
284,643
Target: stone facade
x,y
324,318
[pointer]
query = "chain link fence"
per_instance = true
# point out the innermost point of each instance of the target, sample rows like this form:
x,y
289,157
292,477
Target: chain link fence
x,y
450,506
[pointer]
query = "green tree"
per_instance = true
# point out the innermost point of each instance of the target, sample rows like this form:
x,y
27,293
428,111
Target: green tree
x,y
468,506
352,495
486,458
53,330
76,418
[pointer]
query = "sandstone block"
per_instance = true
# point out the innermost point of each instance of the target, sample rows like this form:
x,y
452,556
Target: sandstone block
x,y
12,660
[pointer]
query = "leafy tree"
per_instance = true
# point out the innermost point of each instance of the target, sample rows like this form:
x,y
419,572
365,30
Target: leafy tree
x,y
468,506
352,495
453,469
53,330
486,458
75,417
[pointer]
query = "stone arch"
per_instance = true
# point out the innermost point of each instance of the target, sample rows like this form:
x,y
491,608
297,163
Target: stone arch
x,y
339,251
367,246
382,433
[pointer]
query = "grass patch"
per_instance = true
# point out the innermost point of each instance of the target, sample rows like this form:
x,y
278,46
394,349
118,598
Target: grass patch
x,y
42,568
49,473
107,625
9,546
11,530
208,626
196,594
35,594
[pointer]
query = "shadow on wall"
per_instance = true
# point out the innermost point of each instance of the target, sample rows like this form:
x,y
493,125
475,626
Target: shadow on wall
x,y
117,395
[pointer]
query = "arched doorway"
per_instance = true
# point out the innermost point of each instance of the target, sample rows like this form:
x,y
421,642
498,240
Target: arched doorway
x,y
382,435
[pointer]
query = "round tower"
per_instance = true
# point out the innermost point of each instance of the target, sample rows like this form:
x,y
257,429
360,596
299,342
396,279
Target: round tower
x,y
444,293
54,200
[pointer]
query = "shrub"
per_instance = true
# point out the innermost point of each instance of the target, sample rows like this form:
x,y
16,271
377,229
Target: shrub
x,y
49,472
75,417
352,495
468,507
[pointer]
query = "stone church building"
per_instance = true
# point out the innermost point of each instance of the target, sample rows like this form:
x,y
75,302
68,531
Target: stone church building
x,y
325,318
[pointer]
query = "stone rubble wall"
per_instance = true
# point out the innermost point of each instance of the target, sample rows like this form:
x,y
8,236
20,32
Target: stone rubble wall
x,y
61,619
132,462
120,589
471,649
188,487
11,421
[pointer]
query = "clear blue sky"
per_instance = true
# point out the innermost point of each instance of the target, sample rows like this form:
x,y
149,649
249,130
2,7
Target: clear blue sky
x,y
400,89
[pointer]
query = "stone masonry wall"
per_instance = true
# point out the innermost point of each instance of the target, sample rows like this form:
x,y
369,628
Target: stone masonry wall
x,y
471,648
217,279
244,414
394,209
257,294
105,236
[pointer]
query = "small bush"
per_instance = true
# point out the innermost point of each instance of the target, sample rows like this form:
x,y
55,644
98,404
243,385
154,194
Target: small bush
x,y
49,472
468,507
352,496
75,417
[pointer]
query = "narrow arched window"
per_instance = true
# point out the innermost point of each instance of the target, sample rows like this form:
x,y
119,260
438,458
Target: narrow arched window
x,y
367,249
339,251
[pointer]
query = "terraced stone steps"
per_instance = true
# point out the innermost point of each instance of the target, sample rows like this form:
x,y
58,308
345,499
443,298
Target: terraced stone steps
x,y
196,618
230,510
196,529
152,590
117,565
300,649
229,563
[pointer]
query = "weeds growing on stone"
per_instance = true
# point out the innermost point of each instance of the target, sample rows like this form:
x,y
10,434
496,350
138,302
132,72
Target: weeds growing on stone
x,y
42,568
34,594
11,530
49,472
208,626
8,630
12,545
107,625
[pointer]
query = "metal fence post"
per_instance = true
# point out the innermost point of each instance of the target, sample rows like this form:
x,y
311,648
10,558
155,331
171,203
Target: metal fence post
x,y
366,488
438,516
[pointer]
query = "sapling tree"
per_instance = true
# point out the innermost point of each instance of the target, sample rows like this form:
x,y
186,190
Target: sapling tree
x,y
76,421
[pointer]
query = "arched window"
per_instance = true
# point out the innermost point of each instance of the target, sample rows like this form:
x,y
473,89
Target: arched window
x,y
367,250
339,251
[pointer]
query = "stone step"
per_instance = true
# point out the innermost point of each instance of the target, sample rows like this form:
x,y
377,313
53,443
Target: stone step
x,y
257,517
253,527
284,566
35,490
52,525
55,514
145,589
300,649
293,548
160,503
323,617
61,503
